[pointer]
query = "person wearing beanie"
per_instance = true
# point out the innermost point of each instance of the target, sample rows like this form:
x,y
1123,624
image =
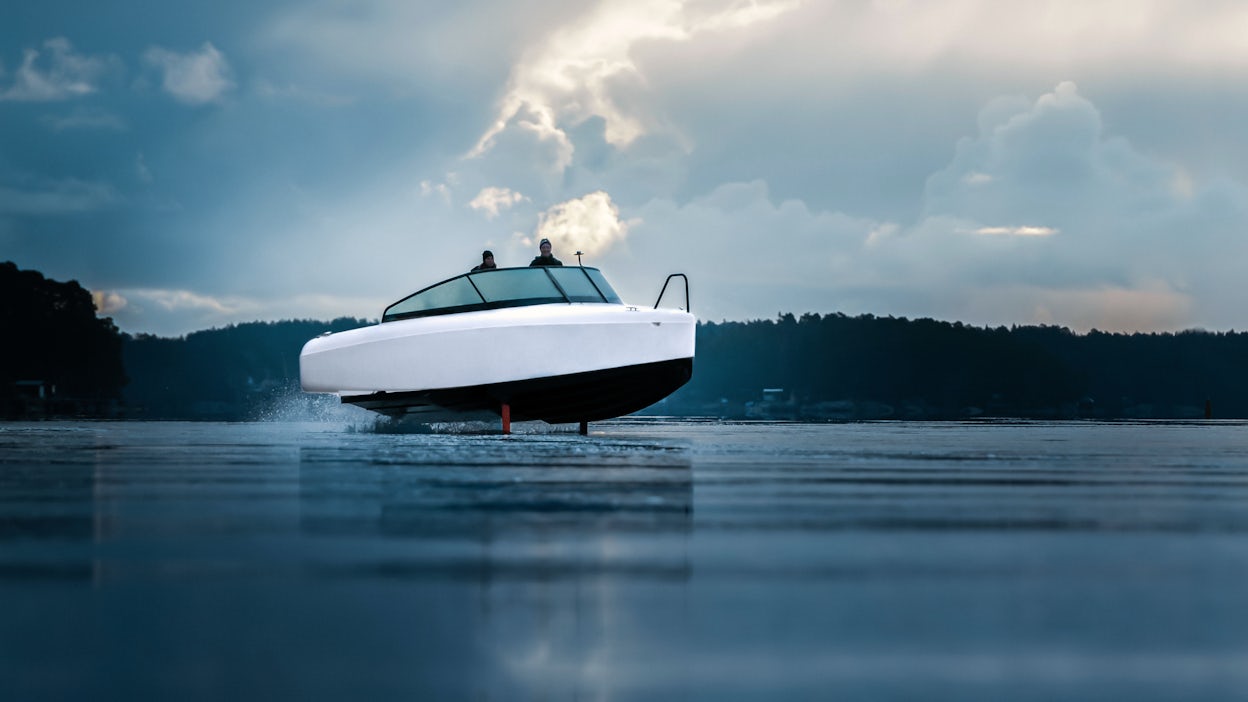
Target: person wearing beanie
x,y
487,261
546,258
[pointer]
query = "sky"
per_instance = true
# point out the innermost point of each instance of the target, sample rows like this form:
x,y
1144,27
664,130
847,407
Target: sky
x,y
995,162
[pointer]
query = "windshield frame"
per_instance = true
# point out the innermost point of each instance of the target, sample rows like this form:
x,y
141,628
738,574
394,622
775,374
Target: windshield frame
x,y
608,298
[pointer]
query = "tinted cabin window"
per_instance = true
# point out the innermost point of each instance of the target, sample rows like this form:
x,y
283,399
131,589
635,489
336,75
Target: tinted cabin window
x,y
517,285
576,284
457,292
504,287
603,285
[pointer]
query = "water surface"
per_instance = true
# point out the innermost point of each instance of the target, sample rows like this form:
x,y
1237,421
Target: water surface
x,y
649,560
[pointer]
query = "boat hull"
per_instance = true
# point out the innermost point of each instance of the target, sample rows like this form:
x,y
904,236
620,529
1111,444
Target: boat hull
x,y
558,363
579,397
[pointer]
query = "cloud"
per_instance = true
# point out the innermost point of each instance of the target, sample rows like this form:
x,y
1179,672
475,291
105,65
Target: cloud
x,y
108,302
442,190
406,45
910,35
493,199
62,76
1042,217
850,105
86,119
1050,167
749,256
1016,231
1028,157
1107,307
535,125
789,157
193,78
141,170
58,197
576,72
590,224
173,300
272,91
174,312
1077,226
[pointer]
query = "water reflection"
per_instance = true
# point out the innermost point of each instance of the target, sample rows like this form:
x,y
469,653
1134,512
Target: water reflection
x,y
515,508
44,511
522,557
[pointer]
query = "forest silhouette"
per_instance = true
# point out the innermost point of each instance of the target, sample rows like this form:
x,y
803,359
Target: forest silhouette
x,y
57,356
812,367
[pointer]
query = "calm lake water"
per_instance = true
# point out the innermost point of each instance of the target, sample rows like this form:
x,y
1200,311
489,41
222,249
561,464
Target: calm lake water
x,y
650,560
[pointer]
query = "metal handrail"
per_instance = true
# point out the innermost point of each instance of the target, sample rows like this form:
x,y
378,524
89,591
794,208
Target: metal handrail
x,y
669,279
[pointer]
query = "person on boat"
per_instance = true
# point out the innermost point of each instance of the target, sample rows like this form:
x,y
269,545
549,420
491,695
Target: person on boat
x,y
487,261
545,259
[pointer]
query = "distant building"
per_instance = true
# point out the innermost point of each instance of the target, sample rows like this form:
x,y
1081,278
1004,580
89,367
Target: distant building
x,y
27,399
773,405
34,389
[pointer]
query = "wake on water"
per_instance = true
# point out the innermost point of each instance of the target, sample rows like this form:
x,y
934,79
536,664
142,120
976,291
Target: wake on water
x,y
294,405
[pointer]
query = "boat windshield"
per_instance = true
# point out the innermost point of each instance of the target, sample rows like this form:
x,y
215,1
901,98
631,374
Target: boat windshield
x,y
505,287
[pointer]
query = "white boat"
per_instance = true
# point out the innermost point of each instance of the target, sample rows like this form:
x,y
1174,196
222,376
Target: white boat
x,y
542,343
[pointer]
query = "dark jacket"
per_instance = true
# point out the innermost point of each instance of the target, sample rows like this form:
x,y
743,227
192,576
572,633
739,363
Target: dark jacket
x,y
484,267
545,261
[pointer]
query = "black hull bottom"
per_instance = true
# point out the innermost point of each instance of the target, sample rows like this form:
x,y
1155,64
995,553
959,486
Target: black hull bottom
x,y
561,399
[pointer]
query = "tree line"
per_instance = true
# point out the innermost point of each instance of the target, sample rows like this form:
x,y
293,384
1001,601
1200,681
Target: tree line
x,y
815,366
57,356
926,368
229,373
